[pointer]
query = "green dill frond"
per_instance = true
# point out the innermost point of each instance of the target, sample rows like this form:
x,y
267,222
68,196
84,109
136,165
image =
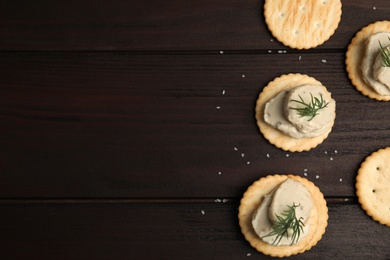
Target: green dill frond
x,y
310,109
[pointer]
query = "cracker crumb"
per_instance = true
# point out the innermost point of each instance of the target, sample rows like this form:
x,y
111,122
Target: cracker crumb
x,y
202,211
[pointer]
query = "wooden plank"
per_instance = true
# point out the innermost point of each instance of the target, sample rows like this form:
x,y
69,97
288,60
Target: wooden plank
x,y
166,230
115,124
153,25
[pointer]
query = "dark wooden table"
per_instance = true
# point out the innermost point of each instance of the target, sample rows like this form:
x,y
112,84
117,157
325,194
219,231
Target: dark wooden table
x,y
128,132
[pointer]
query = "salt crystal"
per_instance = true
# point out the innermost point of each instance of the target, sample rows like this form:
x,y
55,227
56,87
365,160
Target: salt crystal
x,y
269,51
219,173
243,75
287,155
341,179
374,8
326,152
221,52
248,162
305,170
225,200
202,211
335,151
323,61
300,57
280,51
235,149
305,174
218,107
217,200
268,155
242,155
249,254
272,40
317,176
223,92
331,158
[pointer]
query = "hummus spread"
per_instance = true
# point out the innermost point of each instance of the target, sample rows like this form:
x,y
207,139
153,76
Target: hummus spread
x,y
290,192
373,71
280,112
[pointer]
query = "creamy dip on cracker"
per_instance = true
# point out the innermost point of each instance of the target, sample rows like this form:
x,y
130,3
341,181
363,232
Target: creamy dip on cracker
x,y
274,206
283,112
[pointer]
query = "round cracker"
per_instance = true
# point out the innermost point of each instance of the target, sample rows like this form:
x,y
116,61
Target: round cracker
x,y
252,199
372,186
354,57
302,24
274,136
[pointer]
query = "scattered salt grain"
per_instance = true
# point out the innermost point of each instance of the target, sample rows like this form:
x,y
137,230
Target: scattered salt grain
x,y
272,40
326,152
341,179
346,199
305,174
331,158
267,155
323,61
243,154
217,200
235,149
221,52
202,211
219,173
300,57
248,162
223,92
335,151
287,155
305,170
317,176
374,8
243,76
269,51
218,107
249,254
225,200
280,51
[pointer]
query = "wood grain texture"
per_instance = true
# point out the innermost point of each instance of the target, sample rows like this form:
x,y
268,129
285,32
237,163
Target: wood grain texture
x,y
127,129
167,231
155,25
115,124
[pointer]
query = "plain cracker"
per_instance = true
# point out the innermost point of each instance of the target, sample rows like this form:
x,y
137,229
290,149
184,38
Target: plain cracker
x,y
274,136
372,186
302,24
251,200
354,57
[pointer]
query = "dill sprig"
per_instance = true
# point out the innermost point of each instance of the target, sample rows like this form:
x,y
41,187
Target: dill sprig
x,y
288,221
310,109
385,54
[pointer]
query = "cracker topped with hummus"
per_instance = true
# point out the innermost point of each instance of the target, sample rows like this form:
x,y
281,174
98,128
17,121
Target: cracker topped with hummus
x,y
295,112
368,61
283,215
